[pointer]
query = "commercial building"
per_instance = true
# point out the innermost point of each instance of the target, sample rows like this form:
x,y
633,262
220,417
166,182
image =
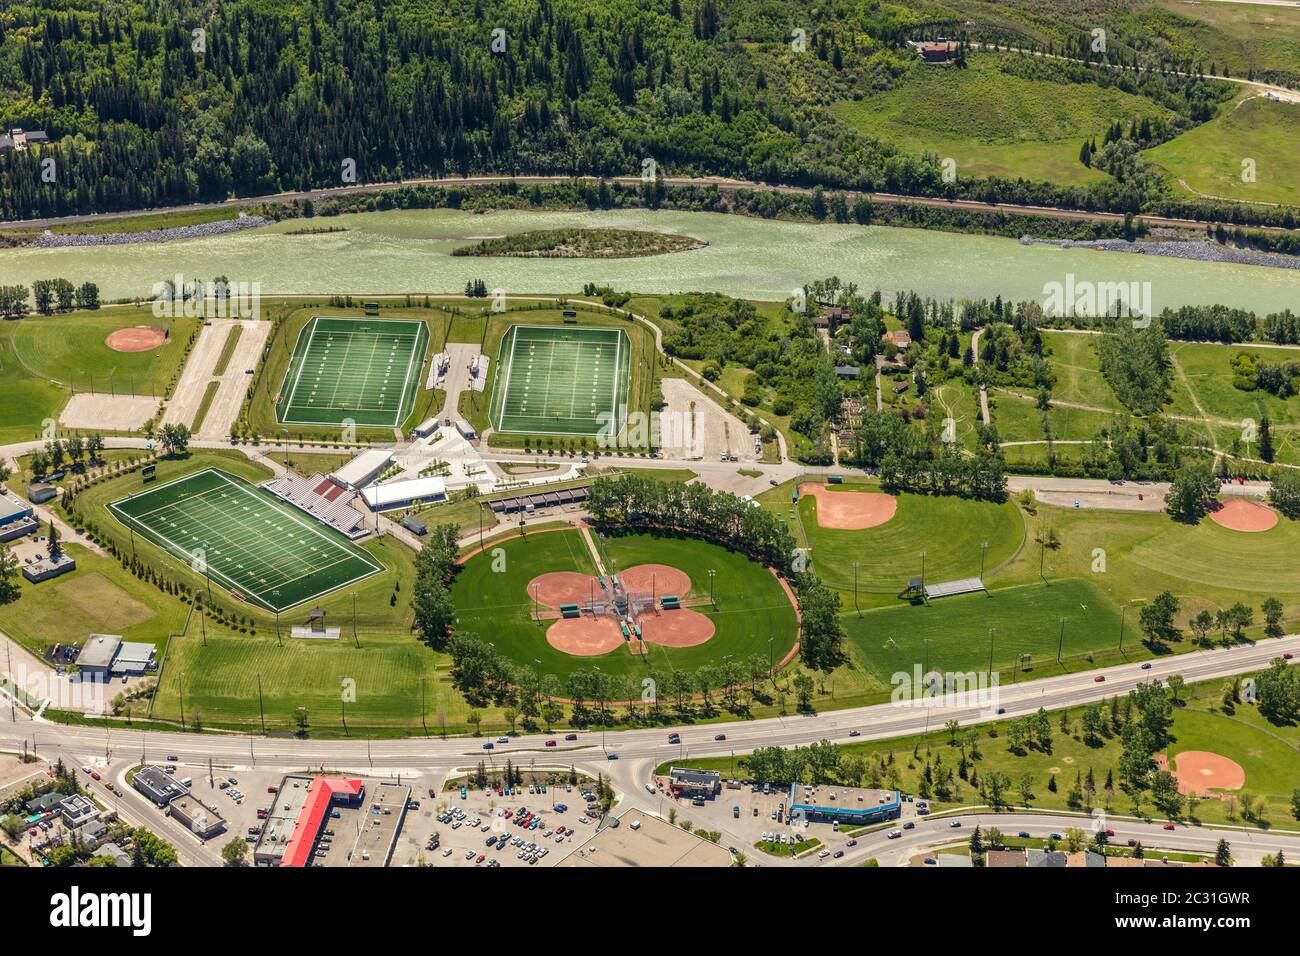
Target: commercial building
x,y
396,495
202,821
844,804
17,518
638,839
43,568
77,811
378,837
105,655
363,469
38,492
158,786
685,782
296,818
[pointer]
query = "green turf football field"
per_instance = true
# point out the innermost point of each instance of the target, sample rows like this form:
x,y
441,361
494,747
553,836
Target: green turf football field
x,y
254,546
363,370
555,380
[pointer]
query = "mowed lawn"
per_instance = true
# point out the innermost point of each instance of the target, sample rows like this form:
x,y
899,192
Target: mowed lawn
x,y
1132,556
43,357
495,605
72,349
952,634
949,529
97,598
1209,158
992,123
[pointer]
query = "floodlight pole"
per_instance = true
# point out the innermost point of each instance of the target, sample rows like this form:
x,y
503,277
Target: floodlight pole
x,y
260,708
855,589
1061,643
984,548
993,631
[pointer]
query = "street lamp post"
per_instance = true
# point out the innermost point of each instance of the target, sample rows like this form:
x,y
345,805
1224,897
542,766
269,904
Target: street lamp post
x,y
984,550
855,589
712,572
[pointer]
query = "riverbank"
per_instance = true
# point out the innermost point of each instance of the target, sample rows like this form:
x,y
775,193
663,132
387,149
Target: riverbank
x,y
1198,250
53,240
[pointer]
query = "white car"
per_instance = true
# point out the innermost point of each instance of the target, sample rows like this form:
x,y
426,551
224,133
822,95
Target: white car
x,y
895,834
823,854
446,852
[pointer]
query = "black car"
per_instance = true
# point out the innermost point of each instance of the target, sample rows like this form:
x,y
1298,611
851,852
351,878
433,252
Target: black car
x,y
720,737
570,736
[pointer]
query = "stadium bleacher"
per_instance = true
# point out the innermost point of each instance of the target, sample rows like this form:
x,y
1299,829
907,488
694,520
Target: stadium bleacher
x,y
320,498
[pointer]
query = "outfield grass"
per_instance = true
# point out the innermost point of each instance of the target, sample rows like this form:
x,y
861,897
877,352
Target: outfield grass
x,y
43,357
751,607
949,529
992,123
1209,159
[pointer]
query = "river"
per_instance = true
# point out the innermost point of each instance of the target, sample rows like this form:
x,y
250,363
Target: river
x,y
409,251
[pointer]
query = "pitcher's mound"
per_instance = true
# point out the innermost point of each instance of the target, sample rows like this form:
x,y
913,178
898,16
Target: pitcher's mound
x,y
680,628
562,587
585,636
139,338
1199,771
850,510
659,577
1242,514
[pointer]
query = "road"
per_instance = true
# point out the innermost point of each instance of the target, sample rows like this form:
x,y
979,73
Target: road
x,y
721,183
637,752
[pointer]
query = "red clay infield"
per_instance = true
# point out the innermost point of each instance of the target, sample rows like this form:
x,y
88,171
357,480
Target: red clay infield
x,y
1242,514
680,628
850,510
139,338
661,577
585,636
1199,770
562,587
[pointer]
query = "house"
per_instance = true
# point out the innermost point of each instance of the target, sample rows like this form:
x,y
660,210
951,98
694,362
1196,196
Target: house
x,y
1053,859
847,371
830,316
45,803
114,852
1085,858
20,139
898,339
942,51
1004,858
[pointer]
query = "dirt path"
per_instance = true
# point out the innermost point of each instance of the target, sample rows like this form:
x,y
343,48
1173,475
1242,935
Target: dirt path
x,y
984,392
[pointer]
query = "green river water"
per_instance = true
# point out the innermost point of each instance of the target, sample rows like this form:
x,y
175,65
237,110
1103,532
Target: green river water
x,y
409,251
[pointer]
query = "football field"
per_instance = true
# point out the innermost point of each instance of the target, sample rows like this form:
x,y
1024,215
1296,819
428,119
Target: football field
x,y
260,550
557,380
363,371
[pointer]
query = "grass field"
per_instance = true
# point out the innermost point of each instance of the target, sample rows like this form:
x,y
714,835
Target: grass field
x,y
43,358
949,529
1209,159
952,634
561,381
751,607
365,371
994,124
249,542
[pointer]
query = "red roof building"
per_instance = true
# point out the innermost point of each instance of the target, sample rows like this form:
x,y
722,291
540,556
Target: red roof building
x,y
311,818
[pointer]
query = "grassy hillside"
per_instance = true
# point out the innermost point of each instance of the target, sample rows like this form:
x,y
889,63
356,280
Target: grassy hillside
x,y
1208,159
994,124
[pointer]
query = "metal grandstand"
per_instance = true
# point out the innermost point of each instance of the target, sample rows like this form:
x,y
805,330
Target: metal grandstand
x,y
320,498
539,500
916,587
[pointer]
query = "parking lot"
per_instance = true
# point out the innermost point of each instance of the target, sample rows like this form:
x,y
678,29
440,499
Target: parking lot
x,y
746,816
475,827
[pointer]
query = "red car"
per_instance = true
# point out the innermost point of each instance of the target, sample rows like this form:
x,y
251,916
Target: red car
x,y
550,743
852,843
1099,678
1110,832
272,790
1132,842
1286,656
94,775
1169,826
481,858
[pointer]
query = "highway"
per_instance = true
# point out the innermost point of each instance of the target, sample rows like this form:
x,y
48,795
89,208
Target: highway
x,y
636,752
